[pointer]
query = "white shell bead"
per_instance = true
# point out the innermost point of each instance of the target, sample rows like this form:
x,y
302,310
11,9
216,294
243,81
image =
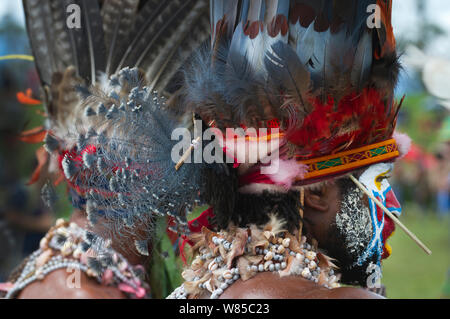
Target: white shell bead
x,y
306,273
311,255
43,243
212,265
267,264
268,234
59,222
227,274
268,256
208,286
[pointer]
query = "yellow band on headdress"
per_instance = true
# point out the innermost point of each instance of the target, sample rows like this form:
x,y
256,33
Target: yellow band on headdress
x,y
17,57
352,159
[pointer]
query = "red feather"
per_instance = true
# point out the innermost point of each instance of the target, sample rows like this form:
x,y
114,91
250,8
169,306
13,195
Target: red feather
x,y
35,135
42,157
25,98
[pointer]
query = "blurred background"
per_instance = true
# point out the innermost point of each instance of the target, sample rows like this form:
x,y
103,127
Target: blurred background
x,y
421,180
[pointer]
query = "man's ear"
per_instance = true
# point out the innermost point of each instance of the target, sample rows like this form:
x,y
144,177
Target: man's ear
x,y
317,199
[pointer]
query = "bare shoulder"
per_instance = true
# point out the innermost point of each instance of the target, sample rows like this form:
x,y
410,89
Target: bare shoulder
x,y
60,284
272,286
353,293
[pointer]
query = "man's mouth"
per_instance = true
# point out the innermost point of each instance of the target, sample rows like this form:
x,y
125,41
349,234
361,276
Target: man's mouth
x,y
389,226
388,230
393,205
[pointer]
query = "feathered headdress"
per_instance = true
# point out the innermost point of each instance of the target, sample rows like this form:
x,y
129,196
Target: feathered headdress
x,y
120,163
107,127
154,36
323,72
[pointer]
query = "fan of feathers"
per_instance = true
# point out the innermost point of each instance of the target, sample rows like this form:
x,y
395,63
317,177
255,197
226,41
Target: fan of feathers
x,y
316,66
119,159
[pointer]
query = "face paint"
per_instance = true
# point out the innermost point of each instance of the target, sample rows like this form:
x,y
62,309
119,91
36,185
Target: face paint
x,y
375,180
354,223
351,234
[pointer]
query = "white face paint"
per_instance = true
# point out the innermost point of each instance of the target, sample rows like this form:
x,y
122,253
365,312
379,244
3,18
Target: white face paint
x,y
375,179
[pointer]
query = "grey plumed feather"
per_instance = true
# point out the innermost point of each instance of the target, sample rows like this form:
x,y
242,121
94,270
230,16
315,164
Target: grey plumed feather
x,y
118,34
117,16
171,44
194,39
147,15
69,167
131,161
93,28
56,46
88,159
39,27
51,144
65,48
362,62
163,27
284,67
92,212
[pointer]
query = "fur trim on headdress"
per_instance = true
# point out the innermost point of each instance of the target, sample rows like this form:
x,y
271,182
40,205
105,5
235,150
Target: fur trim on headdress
x,y
288,172
403,142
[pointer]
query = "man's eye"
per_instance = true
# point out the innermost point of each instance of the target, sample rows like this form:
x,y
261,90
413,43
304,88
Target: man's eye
x,y
383,177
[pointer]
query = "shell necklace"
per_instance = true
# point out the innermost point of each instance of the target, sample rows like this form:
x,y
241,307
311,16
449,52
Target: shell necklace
x,y
222,258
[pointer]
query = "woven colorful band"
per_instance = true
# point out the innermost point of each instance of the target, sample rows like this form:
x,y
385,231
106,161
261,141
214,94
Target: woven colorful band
x,y
350,160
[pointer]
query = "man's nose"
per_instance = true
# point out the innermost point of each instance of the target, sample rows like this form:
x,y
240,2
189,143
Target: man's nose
x,y
392,203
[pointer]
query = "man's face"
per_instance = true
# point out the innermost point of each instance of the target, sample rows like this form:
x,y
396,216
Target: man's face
x,y
358,237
